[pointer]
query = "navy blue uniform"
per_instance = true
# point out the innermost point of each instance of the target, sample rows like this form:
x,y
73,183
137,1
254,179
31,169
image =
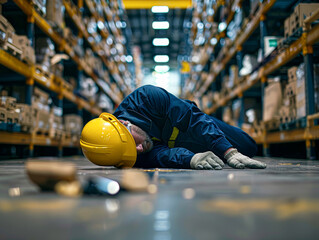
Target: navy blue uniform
x,y
157,112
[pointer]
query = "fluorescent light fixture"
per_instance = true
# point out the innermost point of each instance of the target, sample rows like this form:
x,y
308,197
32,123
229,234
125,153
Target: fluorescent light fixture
x,y
160,25
161,58
129,58
160,9
160,41
222,26
161,68
213,41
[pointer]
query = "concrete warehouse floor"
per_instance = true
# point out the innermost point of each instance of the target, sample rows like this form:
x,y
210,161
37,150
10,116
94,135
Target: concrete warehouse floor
x,y
280,202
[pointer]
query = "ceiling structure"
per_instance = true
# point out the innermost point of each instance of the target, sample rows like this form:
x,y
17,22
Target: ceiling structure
x,y
140,19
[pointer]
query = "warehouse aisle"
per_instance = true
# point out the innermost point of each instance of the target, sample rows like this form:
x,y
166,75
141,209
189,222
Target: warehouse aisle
x,y
280,202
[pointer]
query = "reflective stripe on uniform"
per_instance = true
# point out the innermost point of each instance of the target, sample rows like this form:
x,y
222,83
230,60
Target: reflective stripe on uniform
x,y
171,140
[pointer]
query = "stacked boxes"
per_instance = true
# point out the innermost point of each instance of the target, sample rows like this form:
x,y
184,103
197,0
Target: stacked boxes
x,y
44,52
3,118
295,20
233,76
26,116
17,45
73,126
54,13
272,100
288,108
28,54
38,118
8,38
301,12
56,123
40,102
8,104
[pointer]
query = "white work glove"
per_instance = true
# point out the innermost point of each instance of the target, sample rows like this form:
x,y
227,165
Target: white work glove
x,y
237,160
207,160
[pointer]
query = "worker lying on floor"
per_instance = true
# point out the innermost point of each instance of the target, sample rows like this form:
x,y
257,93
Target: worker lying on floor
x,y
152,128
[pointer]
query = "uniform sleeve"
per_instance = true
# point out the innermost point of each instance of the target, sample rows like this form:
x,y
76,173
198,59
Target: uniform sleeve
x,y
162,156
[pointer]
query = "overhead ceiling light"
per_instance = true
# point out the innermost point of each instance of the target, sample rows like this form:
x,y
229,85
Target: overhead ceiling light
x,y
213,41
161,68
160,41
161,58
160,9
222,26
129,58
160,25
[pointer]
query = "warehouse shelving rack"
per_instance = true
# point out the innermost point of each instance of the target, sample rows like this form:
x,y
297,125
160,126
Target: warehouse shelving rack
x,y
71,9
34,17
302,45
217,67
31,75
117,33
31,139
208,46
54,83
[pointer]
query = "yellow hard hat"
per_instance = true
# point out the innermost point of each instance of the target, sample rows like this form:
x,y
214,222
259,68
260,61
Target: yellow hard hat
x,y
107,142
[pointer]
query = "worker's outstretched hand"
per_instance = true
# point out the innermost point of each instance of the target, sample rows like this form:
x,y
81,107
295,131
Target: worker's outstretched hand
x,y
206,160
237,160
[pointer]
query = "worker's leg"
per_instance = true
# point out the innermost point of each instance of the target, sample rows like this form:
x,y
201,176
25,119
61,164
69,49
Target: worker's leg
x,y
238,138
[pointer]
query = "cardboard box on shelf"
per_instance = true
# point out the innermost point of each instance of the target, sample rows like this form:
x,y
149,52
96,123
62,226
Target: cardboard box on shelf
x,y
301,106
55,13
73,124
12,116
287,32
40,96
292,77
233,75
44,51
28,54
8,103
56,127
301,12
26,116
284,114
8,40
272,100
3,116
42,123
290,89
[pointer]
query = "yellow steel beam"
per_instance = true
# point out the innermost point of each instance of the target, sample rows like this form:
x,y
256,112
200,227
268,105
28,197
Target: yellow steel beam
x,y
31,139
15,138
11,62
143,4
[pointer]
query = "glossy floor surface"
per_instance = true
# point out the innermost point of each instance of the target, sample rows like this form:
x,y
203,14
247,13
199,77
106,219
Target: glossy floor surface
x,y
279,202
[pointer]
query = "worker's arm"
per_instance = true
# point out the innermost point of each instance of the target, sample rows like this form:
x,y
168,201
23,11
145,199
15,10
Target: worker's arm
x,y
162,156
